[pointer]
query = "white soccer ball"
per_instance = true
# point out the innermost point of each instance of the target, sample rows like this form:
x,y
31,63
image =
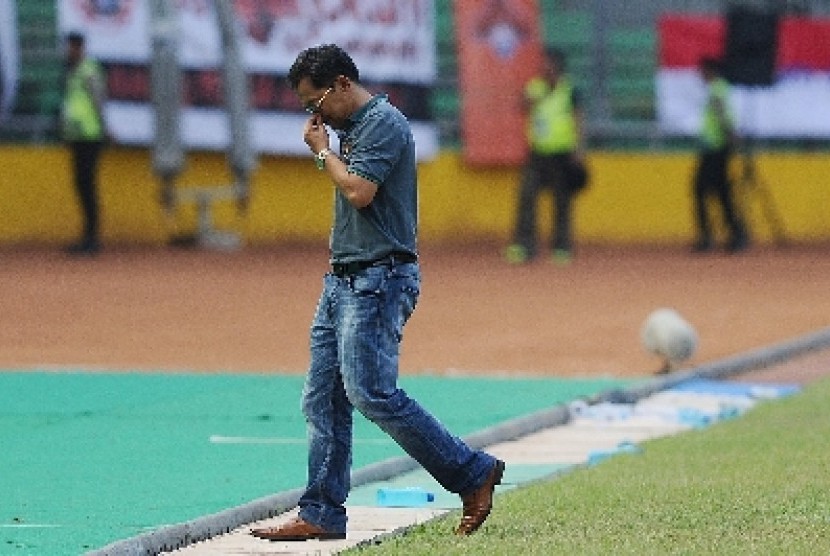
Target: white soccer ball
x,y
668,335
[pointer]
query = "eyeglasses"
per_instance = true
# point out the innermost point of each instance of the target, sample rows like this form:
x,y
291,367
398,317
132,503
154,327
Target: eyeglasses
x,y
314,107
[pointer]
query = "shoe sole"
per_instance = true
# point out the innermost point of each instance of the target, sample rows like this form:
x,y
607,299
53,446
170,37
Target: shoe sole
x,y
321,537
499,472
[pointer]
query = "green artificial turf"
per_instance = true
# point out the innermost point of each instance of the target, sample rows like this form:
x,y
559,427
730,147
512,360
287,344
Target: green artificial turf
x,y
90,458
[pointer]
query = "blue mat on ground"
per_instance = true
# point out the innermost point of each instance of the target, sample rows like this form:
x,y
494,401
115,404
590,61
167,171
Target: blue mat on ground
x,y
732,388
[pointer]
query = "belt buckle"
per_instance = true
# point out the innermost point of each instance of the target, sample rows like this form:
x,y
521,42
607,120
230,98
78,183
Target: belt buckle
x,y
402,258
342,270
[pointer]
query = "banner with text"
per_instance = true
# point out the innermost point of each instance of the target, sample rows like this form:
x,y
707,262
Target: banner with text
x,y
391,42
796,105
499,50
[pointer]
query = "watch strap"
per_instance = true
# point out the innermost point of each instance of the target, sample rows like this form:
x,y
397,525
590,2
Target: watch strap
x,y
320,158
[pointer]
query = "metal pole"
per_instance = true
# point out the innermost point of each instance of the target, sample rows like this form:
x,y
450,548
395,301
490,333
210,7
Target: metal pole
x,y
600,62
166,91
242,158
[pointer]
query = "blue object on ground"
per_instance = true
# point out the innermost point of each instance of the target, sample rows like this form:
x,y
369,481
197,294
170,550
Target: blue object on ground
x,y
693,418
410,497
624,447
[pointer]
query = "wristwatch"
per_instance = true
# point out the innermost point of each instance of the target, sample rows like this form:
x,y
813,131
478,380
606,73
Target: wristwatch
x,y
320,158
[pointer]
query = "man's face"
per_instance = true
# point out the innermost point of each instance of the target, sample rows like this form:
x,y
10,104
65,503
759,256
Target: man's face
x,y
327,103
552,69
74,52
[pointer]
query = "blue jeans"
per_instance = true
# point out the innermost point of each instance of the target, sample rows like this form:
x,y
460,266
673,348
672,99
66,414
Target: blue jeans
x,y
355,337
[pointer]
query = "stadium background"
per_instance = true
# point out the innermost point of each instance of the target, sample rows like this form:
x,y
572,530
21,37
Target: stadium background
x,y
639,192
142,308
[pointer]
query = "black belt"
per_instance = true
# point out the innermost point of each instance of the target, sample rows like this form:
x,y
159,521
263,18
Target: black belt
x,y
348,269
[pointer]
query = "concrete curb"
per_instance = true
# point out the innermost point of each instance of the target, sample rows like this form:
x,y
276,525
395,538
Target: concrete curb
x,y
172,537
748,361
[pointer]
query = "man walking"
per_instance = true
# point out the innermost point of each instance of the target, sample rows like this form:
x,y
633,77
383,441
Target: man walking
x,y
368,295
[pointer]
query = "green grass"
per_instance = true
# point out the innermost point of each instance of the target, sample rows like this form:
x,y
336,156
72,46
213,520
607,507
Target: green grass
x,y
755,485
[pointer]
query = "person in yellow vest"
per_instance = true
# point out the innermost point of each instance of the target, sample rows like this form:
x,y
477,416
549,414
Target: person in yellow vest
x,y
84,131
556,160
711,178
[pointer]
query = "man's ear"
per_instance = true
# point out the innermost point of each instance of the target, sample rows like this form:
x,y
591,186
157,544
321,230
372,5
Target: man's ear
x,y
344,82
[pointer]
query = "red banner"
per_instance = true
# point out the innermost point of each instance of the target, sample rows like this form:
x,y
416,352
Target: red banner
x,y
499,50
802,43
684,40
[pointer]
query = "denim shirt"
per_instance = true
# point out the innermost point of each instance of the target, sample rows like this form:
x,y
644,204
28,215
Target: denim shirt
x,y
377,144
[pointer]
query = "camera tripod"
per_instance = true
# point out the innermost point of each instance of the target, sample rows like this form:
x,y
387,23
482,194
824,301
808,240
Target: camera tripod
x,y
750,186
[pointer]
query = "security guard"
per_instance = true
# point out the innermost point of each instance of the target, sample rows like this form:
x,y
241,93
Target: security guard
x,y
711,177
556,159
84,131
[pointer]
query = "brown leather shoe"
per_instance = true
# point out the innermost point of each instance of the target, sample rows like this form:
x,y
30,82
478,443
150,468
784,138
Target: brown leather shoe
x,y
477,504
296,530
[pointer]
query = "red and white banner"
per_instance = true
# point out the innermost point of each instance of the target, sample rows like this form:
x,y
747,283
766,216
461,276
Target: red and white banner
x,y
499,50
392,42
797,105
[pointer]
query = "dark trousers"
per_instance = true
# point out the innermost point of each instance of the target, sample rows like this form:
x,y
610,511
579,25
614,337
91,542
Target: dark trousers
x,y
544,172
85,156
712,180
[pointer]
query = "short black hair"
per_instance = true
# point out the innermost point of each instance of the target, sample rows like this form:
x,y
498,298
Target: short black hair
x,y
75,37
712,64
322,64
557,56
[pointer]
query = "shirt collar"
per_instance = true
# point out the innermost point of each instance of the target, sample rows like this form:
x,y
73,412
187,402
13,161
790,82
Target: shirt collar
x,y
360,112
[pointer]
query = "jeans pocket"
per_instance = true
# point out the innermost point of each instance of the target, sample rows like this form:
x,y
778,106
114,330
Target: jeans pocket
x,y
371,281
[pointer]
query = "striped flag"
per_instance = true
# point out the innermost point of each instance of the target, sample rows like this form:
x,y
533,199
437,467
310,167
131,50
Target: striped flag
x,y
796,105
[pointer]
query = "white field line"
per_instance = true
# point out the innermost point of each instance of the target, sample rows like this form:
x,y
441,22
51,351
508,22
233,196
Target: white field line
x,y
28,526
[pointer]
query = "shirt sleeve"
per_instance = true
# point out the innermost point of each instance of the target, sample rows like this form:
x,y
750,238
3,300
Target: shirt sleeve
x,y
377,149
